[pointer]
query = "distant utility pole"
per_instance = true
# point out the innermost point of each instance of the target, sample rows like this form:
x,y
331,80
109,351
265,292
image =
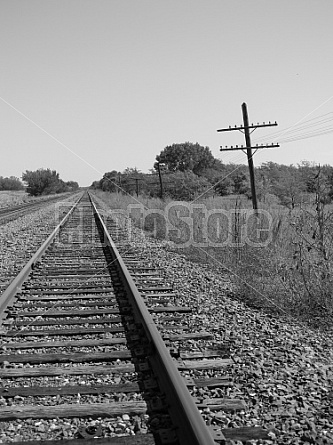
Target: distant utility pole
x,y
245,128
136,184
160,178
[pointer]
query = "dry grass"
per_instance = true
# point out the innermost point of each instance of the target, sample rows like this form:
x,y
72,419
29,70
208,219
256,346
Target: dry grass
x,y
11,198
287,266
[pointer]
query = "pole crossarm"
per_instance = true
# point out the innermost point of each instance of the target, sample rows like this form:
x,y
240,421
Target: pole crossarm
x,y
248,147
250,126
256,147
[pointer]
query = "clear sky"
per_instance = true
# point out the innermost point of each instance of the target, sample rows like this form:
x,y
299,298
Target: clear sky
x,y
90,86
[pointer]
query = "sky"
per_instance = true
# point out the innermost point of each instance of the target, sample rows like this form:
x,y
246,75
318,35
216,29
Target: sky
x,y
90,86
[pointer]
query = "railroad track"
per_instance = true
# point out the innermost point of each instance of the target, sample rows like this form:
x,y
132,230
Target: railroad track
x,y
95,346
10,213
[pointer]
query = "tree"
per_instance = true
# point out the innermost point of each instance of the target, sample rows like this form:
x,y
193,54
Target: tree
x,y
290,186
219,179
72,185
44,182
308,171
186,156
130,171
240,183
330,184
10,183
223,187
110,181
186,186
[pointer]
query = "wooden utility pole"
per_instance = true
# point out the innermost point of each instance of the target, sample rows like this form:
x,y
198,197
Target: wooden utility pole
x,y
245,128
160,177
136,184
249,155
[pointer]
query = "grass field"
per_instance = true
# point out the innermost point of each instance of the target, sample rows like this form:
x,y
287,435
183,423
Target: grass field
x,y
282,259
11,198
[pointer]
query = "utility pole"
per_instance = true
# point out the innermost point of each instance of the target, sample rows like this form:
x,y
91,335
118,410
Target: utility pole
x,y
136,184
245,128
160,177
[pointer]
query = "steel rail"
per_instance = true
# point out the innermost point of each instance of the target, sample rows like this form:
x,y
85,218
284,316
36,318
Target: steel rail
x,y
31,204
19,210
7,297
191,428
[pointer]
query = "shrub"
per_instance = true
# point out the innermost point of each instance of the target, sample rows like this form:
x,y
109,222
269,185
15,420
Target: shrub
x,y
45,182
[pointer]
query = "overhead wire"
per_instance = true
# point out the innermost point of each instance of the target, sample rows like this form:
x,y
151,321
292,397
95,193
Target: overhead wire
x,y
301,129
315,128
306,136
301,132
304,127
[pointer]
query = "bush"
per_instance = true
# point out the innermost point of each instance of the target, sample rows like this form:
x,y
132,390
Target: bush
x,y
46,182
11,183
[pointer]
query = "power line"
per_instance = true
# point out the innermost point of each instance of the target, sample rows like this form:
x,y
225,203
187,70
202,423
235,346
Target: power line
x,y
307,135
287,131
302,131
310,135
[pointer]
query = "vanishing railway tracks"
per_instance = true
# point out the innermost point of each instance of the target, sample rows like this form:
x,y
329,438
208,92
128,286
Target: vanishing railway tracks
x,y
92,336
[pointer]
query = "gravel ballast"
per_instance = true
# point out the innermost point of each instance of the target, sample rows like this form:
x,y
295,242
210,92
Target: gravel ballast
x,y
282,369
19,239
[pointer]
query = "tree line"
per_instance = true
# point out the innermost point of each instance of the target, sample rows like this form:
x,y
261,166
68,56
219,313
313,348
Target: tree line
x,y
188,170
46,182
39,182
11,183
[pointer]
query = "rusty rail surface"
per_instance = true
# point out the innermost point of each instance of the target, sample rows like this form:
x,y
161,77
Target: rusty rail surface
x,y
191,428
